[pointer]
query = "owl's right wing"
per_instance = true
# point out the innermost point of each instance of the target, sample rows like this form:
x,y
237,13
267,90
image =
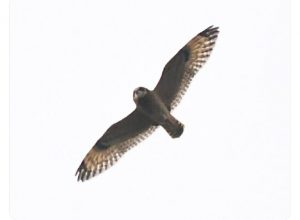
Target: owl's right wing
x,y
118,139
180,70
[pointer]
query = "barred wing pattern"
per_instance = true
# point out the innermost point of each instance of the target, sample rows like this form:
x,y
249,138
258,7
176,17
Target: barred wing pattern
x,y
117,140
180,70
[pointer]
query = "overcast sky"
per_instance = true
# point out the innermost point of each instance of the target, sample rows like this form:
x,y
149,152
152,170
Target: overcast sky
x,y
74,66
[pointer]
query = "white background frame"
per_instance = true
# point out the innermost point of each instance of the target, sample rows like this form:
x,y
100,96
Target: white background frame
x,y
4,111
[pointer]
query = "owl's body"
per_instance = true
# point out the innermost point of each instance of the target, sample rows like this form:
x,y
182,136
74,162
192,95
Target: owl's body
x,y
153,108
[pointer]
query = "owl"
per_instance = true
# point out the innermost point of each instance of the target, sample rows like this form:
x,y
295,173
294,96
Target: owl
x,y
153,107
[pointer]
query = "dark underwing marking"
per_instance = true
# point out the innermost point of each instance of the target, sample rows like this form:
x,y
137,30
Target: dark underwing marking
x,y
186,53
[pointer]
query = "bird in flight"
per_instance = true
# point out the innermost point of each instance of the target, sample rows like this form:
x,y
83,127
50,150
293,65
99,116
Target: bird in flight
x,y
153,107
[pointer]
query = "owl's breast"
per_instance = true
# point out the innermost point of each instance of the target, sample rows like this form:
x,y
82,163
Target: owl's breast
x,y
153,107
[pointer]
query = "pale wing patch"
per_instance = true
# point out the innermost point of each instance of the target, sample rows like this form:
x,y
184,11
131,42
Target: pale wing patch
x,y
98,160
200,48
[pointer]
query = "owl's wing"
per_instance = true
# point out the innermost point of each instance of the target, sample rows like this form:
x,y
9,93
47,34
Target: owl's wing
x,y
118,139
180,70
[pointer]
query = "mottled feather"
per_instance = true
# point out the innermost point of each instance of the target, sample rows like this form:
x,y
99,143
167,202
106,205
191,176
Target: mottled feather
x,y
181,69
118,139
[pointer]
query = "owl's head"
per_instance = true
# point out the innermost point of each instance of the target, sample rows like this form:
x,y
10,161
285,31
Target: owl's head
x,y
139,92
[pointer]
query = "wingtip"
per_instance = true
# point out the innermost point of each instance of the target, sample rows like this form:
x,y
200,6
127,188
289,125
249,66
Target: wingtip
x,y
211,31
212,27
81,172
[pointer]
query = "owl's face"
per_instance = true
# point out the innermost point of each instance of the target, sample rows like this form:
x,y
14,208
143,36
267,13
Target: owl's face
x,y
139,92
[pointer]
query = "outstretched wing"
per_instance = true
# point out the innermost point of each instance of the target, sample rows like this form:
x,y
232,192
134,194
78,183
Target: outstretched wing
x,y
180,70
118,139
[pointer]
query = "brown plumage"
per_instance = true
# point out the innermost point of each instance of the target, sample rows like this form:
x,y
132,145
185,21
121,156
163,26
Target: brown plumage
x,y
152,107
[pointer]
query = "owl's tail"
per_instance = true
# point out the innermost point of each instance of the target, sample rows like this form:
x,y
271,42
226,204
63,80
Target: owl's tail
x,y
173,127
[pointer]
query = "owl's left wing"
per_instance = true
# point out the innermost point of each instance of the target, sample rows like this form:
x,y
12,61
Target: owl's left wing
x,y
118,139
180,70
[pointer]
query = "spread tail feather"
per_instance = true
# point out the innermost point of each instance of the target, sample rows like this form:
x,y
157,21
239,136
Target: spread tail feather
x,y
173,127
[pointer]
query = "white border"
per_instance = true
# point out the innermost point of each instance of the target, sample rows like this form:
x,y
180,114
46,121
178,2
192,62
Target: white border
x,y
4,111
295,109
